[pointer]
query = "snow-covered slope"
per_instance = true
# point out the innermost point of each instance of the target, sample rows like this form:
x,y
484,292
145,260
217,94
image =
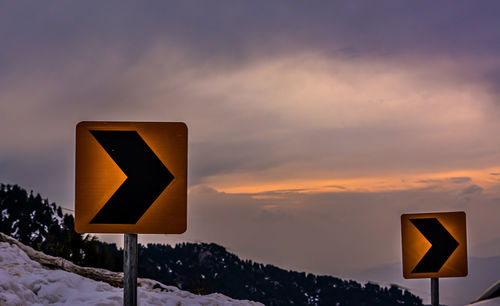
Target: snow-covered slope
x,y
24,281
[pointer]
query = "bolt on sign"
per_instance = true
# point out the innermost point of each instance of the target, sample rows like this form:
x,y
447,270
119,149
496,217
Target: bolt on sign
x,y
131,177
434,245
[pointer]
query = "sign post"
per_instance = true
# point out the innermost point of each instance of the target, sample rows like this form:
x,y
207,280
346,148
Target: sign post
x,y
434,246
130,270
435,291
131,178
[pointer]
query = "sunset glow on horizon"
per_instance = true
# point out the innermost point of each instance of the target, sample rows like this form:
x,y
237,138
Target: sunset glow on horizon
x,y
486,178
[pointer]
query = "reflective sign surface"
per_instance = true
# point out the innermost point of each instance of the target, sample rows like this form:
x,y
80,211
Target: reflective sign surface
x,y
434,245
131,177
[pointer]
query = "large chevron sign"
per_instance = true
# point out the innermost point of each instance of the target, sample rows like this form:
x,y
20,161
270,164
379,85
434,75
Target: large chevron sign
x,y
434,245
131,177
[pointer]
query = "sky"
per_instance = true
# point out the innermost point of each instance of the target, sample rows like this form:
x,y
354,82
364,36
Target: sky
x,y
312,126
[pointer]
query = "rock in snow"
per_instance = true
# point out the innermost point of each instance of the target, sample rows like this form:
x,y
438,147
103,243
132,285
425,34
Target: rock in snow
x,y
24,281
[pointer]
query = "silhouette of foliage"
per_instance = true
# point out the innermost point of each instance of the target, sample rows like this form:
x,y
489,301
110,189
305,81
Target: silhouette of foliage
x,y
42,226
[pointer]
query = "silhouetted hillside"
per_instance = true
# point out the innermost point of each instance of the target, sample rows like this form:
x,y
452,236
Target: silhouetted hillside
x,y
199,268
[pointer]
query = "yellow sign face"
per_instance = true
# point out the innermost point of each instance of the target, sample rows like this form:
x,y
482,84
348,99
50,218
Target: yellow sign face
x,y
131,177
434,245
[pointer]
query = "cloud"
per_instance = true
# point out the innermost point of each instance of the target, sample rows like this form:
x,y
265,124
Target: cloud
x,y
453,180
232,29
431,181
472,189
336,186
251,124
459,180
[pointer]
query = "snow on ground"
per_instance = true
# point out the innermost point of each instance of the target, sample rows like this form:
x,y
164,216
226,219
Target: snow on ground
x,y
26,282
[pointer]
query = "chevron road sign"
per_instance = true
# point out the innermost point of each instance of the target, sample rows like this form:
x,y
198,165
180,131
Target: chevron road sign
x,y
131,177
434,245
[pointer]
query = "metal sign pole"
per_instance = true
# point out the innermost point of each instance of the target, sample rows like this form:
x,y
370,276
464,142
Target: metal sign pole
x,y
435,291
130,270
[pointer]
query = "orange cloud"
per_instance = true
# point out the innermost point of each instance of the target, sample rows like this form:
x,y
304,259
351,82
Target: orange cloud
x,y
441,180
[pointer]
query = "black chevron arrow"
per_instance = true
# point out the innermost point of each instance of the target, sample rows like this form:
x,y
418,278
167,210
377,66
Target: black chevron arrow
x,y
146,175
443,245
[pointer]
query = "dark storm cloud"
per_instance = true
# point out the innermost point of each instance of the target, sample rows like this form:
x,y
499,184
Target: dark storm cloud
x,y
104,39
227,29
77,60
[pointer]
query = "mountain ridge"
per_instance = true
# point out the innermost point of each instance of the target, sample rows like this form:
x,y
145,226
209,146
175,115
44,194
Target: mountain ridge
x,y
199,268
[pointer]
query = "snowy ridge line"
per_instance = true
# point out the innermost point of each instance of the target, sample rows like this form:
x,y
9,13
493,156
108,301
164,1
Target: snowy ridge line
x,y
115,279
25,281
